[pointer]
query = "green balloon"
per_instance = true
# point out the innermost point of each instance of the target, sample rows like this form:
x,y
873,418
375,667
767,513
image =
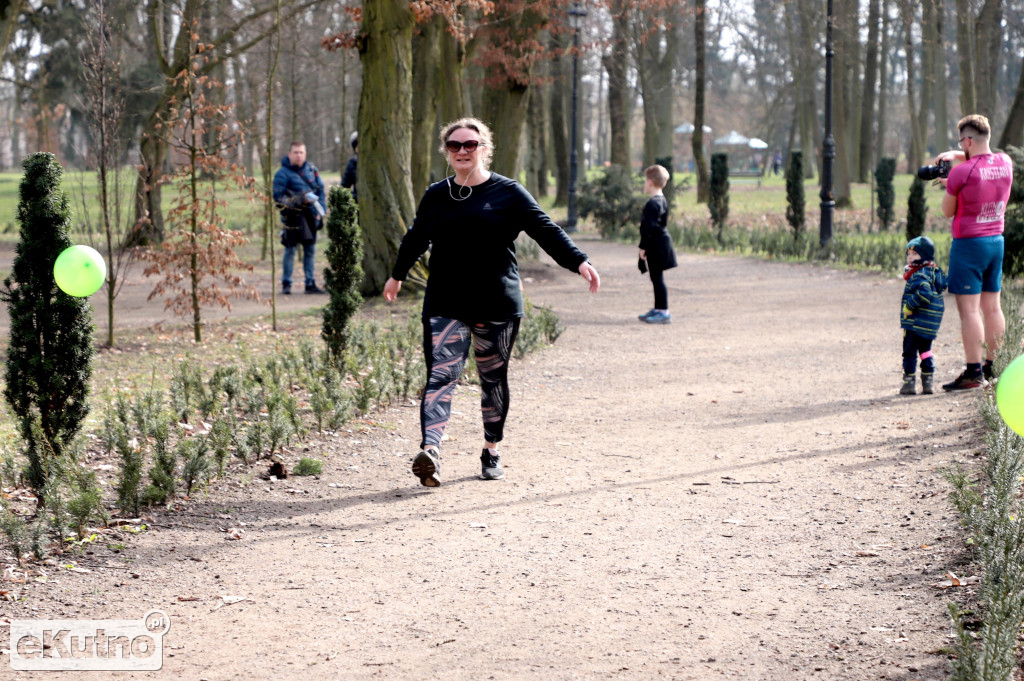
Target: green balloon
x,y
79,271
1010,395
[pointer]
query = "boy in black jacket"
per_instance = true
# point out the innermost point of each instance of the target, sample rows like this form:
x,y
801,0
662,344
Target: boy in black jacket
x,y
656,250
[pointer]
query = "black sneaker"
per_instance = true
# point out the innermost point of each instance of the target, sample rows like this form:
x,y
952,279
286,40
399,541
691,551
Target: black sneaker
x,y
286,290
427,467
987,371
490,466
966,381
314,289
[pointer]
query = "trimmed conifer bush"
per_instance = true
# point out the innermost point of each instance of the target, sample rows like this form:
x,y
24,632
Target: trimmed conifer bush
x,y
49,358
917,209
795,207
718,202
343,275
884,172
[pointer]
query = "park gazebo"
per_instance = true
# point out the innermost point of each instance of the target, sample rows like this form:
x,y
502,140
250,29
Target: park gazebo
x,y
744,153
686,129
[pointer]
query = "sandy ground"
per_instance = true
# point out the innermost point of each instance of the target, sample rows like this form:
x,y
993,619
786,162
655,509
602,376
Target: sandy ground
x,y
738,494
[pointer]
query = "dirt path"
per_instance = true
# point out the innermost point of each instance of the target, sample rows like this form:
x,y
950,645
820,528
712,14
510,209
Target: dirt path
x,y
738,494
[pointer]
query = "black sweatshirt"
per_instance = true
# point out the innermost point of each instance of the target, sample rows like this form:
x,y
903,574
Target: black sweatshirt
x,y
474,275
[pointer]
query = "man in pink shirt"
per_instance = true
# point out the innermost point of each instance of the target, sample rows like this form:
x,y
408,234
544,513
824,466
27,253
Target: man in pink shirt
x,y
977,190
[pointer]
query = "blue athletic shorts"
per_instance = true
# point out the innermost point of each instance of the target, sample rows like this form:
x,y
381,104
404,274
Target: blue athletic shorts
x,y
976,265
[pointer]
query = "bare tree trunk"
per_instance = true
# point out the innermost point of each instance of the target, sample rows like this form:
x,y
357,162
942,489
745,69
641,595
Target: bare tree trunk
x,y
928,41
657,58
914,152
883,81
942,122
1013,131
700,86
615,63
505,109
867,113
9,10
386,207
844,40
559,135
989,33
965,51
810,131
537,145
451,95
426,70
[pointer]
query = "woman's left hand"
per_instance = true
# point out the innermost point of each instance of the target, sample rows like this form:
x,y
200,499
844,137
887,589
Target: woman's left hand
x,y
588,272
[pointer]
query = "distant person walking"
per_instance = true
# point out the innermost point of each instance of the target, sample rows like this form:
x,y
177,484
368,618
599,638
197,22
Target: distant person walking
x,y
348,178
299,193
656,251
777,162
977,190
474,297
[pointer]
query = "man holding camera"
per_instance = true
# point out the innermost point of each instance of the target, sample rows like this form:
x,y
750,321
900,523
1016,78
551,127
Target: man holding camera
x,y
299,193
977,189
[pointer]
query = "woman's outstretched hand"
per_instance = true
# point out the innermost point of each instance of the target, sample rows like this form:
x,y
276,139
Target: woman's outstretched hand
x,y
588,272
391,289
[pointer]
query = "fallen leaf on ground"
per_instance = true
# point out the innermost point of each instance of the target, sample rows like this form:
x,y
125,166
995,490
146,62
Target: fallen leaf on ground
x,y
866,554
235,533
952,580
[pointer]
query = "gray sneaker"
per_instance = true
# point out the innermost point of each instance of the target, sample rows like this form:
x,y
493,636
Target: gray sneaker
x,y
427,467
490,466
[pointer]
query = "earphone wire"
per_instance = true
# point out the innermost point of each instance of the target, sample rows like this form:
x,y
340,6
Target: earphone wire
x,y
460,186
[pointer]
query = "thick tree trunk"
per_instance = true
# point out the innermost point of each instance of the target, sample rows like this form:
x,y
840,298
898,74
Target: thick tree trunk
x,y
505,110
867,111
149,216
989,33
844,39
965,51
883,82
811,135
942,122
615,63
914,152
1013,131
386,207
452,102
700,87
9,10
657,59
426,71
559,134
536,149
928,58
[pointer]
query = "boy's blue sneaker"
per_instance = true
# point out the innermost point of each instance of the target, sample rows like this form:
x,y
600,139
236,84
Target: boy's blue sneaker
x,y
658,318
643,317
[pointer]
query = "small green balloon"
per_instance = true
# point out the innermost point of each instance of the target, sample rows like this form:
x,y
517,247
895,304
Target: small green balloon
x,y
1010,395
79,271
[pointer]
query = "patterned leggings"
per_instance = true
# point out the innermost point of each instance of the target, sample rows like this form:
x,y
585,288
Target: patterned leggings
x,y
446,348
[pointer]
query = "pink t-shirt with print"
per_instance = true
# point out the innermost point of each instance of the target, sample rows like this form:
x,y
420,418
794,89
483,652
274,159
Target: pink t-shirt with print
x,y
982,188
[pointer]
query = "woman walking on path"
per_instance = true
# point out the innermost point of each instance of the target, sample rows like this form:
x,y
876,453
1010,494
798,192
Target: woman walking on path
x,y
470,222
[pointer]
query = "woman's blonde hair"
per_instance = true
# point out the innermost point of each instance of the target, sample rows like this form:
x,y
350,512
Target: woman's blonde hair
x,y
486,139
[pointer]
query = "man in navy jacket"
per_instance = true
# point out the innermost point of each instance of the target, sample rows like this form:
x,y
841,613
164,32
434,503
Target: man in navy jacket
x,y
299,193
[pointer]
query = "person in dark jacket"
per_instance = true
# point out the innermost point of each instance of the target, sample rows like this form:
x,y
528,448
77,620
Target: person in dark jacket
x,y
470,222
656,251
348,178
921,313
299,193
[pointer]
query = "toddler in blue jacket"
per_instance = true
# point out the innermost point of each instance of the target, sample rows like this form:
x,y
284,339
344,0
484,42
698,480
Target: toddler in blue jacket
x,y
921,313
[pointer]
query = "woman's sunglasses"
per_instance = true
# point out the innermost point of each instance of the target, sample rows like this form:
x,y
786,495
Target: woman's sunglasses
x,y
454,147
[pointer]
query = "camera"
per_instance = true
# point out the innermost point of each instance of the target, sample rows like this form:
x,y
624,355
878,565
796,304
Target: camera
x,y
927,173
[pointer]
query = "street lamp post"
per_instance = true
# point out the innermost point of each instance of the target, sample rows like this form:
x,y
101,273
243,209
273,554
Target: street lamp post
x,y
828,151
576,14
